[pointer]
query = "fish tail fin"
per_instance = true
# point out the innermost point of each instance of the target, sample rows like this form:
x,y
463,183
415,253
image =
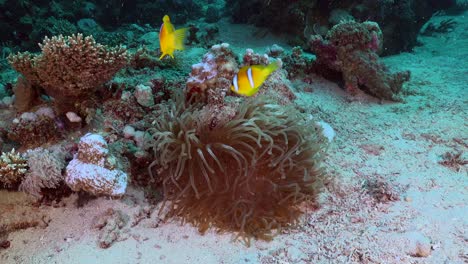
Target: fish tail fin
x,y
273,66
179,38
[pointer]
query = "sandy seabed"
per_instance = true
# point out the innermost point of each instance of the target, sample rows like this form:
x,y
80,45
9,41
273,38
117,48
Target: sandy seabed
x,y
395,194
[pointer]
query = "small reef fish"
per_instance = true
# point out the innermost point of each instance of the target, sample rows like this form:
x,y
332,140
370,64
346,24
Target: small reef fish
x,y
170,39
249,78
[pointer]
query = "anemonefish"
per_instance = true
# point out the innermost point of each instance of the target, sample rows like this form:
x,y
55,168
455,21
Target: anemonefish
x,y
170,39
249,78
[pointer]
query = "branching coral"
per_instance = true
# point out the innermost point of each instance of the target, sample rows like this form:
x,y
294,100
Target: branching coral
x,y
70,68
12,168
45,171
247,176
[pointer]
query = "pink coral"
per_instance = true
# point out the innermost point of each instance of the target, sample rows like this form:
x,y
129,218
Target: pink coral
x,y
215,73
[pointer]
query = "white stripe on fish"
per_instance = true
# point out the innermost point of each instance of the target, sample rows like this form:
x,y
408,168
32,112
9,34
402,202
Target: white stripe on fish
x,y
236,85
249,75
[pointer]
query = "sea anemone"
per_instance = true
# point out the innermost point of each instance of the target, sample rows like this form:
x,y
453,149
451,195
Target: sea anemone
x,y
247,176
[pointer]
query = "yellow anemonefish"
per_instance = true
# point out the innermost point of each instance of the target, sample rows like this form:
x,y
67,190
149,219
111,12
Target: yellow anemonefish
x,y
249,78
170,39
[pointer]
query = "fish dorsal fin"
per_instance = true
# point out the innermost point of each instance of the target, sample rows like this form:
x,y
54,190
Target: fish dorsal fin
x,y
179,38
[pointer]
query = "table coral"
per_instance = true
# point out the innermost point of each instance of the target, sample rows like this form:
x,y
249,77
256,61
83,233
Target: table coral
x,y
71,68
351,48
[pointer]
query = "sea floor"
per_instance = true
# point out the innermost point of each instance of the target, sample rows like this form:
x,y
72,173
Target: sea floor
x,y
398,193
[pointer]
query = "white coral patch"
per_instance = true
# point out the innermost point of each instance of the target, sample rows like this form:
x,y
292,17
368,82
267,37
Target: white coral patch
x,y
327,130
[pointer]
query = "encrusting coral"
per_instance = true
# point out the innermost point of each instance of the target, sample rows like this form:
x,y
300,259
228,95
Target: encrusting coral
x,y
70,68
94,170
45,171
248,175
33,129
13,167
212,78
352,48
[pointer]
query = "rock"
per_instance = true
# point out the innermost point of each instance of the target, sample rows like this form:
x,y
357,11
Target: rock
x,y
88,25
129,132
111,224
25,94
8,100
144,95
3,91
90,170
141,138
149,38
73,117
28,116
275,51
327,130
45,111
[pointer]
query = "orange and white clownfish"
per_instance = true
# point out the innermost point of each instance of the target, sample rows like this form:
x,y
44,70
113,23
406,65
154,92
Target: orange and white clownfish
x,y
249,78
170,39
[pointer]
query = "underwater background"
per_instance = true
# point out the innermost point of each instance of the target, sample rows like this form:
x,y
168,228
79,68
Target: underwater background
x,y
227,131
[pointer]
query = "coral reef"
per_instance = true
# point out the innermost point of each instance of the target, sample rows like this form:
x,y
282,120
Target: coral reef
x,y
296,64
13,167
70,69
33,129
303,18
45,171
27,22
248,175
351,48
205,35
94,170
211,79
